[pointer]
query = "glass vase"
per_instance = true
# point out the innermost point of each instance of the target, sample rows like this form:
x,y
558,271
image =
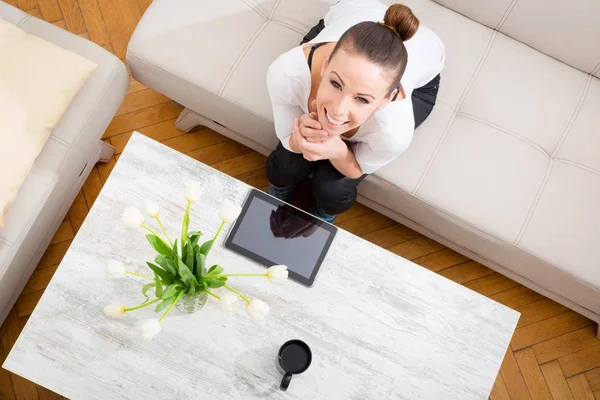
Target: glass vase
x,y
191,304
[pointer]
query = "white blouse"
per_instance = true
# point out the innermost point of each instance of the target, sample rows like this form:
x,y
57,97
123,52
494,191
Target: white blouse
x,y
387,133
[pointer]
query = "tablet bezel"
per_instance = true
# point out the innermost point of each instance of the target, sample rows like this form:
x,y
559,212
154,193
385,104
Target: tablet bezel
x,y
265,261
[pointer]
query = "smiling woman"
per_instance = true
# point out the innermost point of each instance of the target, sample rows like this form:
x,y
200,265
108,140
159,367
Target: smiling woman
x,y
347,102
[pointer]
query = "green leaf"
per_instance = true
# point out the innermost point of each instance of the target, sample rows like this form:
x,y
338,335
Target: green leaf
x,y
164,304
206,246
215,270
215,283
158,245
203,286
158,287
194,237
145,290
173,266
192,290
185,225
200,261
171,291
189,256
174,250
185,273
164,263
164,275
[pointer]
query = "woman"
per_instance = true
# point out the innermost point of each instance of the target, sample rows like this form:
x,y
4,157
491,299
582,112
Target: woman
x,y
346,103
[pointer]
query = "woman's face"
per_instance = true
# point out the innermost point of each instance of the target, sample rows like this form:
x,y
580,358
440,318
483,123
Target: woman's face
x,y
351,89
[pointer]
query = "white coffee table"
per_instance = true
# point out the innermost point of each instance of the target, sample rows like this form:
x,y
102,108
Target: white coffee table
x,y
379,326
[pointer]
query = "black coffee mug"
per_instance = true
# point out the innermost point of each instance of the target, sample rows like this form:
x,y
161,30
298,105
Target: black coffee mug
x,y
294,358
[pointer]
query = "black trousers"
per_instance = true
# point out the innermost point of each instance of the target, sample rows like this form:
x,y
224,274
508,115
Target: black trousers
x,y
333,191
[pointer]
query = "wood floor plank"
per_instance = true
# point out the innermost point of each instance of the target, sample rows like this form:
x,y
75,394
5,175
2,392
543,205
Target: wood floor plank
x,y
548,329
144,4
466,272
139,100
54,254
356,210
559,388
94,21
61,24
46,394
39,279
27,302
516,297
64,233
441,260
115,26
366,224
581,361
6,389
50,10
416,248
580,388
391,236
12,2
219,152
538,389
256,178
491,284
92,187
35,13
146,117
593,378
27,5
72,16
187,142
566,344
84,35
104,169
597,394
499,391
538,311
513,379
241,165
9,332
134,86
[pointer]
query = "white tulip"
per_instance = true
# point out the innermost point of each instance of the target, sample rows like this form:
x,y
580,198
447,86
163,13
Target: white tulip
x,y
114,310
229,211
133,218
148,328
257,309
115,269
193,192
277,273
151,208
228,302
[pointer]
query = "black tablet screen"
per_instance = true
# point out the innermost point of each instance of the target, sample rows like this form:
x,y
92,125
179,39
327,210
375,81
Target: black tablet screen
x,y
282,234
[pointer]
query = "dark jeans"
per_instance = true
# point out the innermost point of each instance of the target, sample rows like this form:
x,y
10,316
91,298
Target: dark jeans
x,y
333,192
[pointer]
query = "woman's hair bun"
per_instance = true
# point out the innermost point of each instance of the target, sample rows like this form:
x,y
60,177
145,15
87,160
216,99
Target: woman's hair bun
x,y
401,18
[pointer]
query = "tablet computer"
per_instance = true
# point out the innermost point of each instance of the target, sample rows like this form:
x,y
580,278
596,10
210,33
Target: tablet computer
x,y
272,232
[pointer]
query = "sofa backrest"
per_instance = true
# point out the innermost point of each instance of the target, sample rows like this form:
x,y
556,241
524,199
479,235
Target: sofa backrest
x,y
568,30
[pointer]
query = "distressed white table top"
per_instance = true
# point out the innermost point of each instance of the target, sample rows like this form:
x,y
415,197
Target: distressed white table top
x,y
379,326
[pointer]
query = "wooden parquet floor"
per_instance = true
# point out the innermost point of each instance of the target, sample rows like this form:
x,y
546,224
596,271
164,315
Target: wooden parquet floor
x,y
554,353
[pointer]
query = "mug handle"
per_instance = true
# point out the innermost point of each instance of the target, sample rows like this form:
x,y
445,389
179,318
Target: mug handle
x,y
285,382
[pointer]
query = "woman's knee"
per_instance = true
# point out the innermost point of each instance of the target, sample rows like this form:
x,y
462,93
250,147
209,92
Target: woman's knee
x,y
334,193
285,168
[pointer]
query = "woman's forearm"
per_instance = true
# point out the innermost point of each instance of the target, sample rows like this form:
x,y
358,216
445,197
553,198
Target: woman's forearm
x,y
346,163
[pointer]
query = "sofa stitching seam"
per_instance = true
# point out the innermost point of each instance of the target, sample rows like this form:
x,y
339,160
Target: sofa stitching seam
x,y
255,7
574,116
456,108
289,26
23,20
578,165
508,132
596,70
131,54
535,202
506,15
240,57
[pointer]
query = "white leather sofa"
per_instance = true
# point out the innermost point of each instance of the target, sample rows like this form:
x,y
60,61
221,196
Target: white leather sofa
x,y
506,170
65,162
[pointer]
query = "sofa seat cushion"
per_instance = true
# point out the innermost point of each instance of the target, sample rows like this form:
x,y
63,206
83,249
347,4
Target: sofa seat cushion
x,y
38,81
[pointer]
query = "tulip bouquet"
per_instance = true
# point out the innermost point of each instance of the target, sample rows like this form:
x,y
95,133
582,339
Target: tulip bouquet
x,y
179,272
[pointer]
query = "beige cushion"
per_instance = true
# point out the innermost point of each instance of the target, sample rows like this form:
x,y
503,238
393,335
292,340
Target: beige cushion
x,y
38,81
